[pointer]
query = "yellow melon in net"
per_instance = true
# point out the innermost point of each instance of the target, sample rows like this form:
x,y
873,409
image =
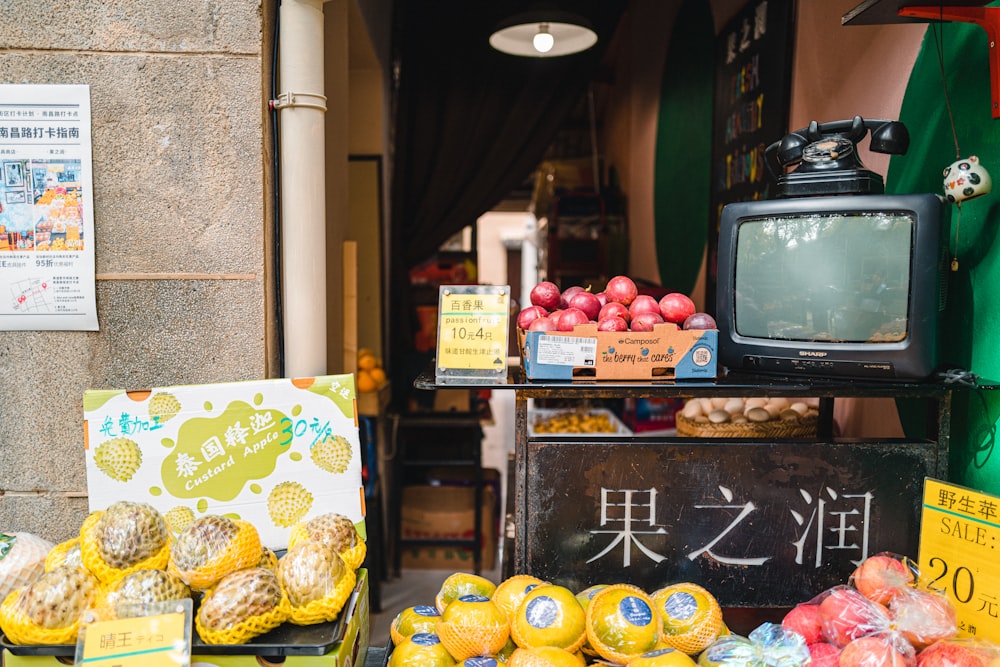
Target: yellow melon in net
x,y
622,623
663,657
423,649
462,583
472,625
413,620
549,615
512,591
545,656
690,615
482,661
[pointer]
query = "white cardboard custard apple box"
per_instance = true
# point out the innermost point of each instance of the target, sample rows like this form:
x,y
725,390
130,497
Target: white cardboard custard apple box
x,y
271,452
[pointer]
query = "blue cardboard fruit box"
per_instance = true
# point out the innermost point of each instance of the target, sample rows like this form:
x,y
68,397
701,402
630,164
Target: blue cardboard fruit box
x,y
342,643
666,353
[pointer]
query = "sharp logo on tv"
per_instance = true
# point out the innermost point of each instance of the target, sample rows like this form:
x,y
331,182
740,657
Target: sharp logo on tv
x,y
810,353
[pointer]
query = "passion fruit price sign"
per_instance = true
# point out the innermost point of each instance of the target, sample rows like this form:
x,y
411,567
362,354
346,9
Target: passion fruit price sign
x,y
473,322
153,635
959,542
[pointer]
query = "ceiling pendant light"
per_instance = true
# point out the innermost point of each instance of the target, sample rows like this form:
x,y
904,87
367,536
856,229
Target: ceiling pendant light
x,y
543,34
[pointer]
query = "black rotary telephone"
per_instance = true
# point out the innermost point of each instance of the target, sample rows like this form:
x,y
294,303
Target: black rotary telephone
x,y
828,160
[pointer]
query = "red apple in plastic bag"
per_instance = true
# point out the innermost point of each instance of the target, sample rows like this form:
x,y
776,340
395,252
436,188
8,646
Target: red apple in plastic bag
x,y
923,616
878,577
806,620
955,653
822,654
847,615
876,651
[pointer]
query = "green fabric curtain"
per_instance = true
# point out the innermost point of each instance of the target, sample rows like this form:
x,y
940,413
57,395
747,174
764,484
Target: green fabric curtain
x,y
973,319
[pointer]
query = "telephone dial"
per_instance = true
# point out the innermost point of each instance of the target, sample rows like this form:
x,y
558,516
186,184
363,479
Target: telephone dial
x,y
826,159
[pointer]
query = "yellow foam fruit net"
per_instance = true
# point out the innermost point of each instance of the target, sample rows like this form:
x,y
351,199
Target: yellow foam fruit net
x,y
244,550
90,554
622,623
691,616
19,628
549,615
58,554
247,629
472,625
352,556
545,656
413,620
328,607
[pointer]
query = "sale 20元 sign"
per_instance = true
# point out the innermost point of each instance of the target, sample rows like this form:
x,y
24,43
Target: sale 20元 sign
x,y
271,452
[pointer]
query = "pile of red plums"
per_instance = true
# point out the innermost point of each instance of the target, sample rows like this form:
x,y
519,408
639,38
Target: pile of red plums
x,y
619,307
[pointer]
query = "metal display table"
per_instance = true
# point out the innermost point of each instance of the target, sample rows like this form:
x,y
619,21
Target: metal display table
x,y
760,523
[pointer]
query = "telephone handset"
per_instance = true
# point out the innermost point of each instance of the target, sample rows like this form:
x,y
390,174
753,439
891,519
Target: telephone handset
x,y
827,157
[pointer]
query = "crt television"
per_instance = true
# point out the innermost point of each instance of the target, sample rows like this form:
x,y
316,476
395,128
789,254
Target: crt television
x,y
849,286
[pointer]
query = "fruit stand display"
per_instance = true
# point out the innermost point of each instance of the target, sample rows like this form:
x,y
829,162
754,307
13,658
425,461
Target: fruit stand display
x,y
767,519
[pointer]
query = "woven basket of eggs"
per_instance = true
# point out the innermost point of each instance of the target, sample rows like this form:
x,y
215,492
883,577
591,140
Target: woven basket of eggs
x,y
756,417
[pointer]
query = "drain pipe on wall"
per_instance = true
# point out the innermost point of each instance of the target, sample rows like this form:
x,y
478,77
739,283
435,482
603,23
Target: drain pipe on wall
x,y
301,109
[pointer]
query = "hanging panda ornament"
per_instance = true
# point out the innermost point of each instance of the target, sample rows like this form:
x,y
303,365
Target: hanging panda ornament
x,y
964,179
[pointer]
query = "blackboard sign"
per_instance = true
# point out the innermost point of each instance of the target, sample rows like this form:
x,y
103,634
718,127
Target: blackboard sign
x,y
752,95
757,524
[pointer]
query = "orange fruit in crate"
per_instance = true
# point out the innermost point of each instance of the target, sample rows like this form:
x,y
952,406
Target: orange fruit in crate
x,y
367,361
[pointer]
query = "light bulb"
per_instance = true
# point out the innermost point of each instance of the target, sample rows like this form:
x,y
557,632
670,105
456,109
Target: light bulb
x,y
543,40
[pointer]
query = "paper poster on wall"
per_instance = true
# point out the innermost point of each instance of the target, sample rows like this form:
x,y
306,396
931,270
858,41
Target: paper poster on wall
x,y
46,209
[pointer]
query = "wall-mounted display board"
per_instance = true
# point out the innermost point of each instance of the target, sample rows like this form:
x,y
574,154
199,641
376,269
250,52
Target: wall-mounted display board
x,y
752,95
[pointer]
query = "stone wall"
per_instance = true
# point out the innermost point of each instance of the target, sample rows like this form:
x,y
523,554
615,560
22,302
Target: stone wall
x,y
180,144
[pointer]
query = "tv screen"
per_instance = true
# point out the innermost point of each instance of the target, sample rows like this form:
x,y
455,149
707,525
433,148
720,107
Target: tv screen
x,y
838,286
824,277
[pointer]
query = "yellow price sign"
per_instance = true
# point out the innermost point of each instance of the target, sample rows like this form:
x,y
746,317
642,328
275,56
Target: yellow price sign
x,y
473,322
144,641
959,542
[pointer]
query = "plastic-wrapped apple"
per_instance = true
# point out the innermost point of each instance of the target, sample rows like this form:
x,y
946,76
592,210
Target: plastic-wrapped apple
x,y
587,302
879,577
956,653
876,651
847,615
822,654
545,294
923,616
806,620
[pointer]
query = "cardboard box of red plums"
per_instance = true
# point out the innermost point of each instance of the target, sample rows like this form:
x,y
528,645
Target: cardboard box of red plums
x,y
665,353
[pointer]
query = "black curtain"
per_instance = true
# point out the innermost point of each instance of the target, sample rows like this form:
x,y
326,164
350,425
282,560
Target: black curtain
x,y
468,125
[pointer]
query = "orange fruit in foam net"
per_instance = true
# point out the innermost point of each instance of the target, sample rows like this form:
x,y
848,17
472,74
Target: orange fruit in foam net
x,y
413,620
622,623
472,625
421,650
549,615
462,583
511,592
691,617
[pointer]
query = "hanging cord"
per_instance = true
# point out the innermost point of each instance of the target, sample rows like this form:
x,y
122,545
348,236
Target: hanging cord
x,y
939,43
